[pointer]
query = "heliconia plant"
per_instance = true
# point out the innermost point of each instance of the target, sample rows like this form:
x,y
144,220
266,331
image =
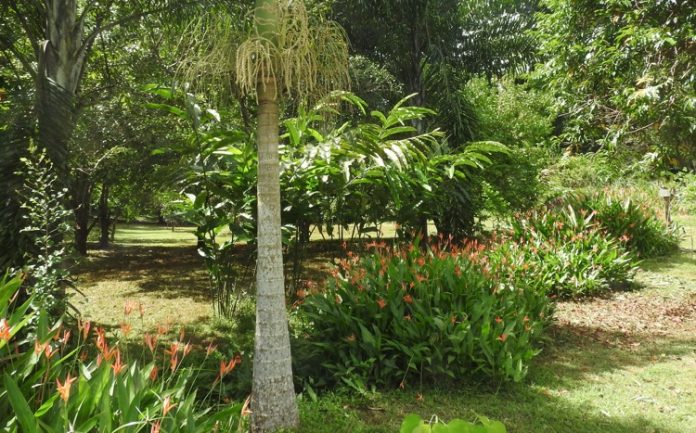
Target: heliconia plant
x,y
392,316
53,382
573,254
637,226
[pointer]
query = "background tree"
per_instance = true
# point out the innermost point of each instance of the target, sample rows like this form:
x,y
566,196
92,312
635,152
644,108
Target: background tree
x,y
623,73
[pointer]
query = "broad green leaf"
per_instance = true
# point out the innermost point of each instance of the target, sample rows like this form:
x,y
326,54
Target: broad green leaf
x,y
22,410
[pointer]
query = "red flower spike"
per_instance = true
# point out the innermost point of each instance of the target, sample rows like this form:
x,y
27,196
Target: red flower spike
x,y
502,338
381,303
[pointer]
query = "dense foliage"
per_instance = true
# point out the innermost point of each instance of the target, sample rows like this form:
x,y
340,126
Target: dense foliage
x,y
623,71
393,315
58,379
636,226
572,253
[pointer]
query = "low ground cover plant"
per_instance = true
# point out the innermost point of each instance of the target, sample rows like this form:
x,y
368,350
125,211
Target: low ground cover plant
x,y
53,382
395,315
415,424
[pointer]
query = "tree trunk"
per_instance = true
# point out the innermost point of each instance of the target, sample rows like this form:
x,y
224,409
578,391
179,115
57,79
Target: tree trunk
x,y
273,403
104,216
61,61
81,203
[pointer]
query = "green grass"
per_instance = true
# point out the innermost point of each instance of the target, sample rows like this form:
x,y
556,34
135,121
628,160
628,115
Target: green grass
x,y
625,363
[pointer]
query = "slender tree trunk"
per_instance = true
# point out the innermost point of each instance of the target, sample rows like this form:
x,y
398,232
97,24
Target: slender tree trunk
x,y
81,193
104,216
273,403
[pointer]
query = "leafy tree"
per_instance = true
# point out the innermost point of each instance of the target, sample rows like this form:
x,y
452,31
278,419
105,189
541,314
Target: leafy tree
x,y
624,72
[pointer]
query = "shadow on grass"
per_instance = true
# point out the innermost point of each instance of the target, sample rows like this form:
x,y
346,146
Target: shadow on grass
x,y
577,352
666,263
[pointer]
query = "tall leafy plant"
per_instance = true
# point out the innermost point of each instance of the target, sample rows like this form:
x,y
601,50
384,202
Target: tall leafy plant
x,y
47,224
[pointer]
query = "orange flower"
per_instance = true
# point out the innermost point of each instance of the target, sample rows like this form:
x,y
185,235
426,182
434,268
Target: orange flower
x,y
502,338
210,349
420,278
48,351
118,366
84,328
229,366
65,338
151,342
5,330
173,348
153,373
128,307
498,319
126,329
420,261
382,303
187,348
173,361
301,293
155,427
167,406
458,271
64,388
408,299
163,329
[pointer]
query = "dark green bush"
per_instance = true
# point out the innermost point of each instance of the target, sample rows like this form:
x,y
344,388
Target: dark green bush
x,y
394,315
636,226
570,253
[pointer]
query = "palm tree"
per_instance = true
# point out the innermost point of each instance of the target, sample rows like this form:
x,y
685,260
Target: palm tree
x,y
287,54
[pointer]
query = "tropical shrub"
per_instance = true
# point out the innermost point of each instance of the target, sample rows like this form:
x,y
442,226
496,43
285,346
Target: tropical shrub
x,y
51,384
636,226
570,252
395,314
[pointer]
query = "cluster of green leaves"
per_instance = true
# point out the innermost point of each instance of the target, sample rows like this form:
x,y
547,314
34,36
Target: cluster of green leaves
x,y
635,225
415,424
46,224
624,71
218,183
392,315
50,384
571,253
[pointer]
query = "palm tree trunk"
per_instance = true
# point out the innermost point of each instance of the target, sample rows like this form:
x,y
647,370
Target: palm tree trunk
x,y
273,403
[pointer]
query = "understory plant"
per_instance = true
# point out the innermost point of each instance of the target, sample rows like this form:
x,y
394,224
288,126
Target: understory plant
x,y
635,225
570,253
54,381
393,316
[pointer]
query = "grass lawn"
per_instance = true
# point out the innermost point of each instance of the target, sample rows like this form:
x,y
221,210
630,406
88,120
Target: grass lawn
x,y
622,363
